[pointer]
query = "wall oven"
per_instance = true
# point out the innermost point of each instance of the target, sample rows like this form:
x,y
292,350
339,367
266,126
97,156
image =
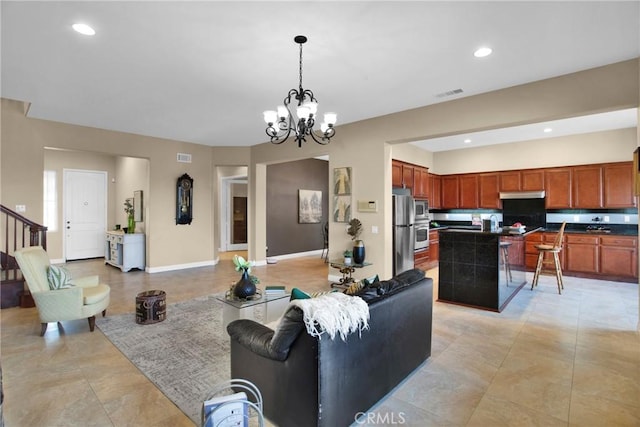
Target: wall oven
x,y
421,210
421,229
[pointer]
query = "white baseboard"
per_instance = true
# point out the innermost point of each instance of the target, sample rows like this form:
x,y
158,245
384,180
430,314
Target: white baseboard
x,y
174,267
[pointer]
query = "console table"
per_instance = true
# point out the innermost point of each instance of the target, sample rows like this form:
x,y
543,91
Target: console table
x,y
125,251
346,270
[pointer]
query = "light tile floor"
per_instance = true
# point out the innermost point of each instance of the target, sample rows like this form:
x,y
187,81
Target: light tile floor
x,y
546,360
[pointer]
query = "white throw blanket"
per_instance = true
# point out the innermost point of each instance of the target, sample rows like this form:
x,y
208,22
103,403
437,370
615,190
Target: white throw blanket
x,y
334,313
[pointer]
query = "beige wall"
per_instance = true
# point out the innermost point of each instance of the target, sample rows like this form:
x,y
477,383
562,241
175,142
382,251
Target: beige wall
x,y
601,147
364,146
22,159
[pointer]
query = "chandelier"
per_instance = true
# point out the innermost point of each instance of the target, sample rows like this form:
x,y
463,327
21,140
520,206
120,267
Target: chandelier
x,y
281,123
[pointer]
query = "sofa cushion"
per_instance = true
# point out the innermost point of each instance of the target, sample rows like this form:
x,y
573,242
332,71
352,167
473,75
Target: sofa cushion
x,y
385,288
58,278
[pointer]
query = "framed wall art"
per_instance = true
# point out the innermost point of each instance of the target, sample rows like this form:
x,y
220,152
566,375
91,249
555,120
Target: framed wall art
x,y
341,208
341,181
309,206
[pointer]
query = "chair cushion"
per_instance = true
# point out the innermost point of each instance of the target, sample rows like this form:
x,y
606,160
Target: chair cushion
x,y
59,278
95,294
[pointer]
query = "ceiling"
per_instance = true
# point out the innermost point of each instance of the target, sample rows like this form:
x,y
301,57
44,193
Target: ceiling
x,y
203,72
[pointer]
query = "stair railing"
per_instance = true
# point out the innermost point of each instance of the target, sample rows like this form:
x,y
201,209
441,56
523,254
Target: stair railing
x,y
19,232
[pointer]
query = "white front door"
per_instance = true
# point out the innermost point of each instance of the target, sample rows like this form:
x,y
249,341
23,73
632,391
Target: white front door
x,y
85,213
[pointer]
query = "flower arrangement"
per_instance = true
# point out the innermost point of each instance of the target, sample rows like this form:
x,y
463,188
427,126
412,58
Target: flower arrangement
x,y
244,266
128,207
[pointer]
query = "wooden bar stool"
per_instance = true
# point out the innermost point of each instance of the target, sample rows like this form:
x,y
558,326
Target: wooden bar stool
x,y
504,252
554,250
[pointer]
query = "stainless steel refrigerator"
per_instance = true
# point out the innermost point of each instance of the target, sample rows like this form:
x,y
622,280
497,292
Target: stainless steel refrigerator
x,y
404,238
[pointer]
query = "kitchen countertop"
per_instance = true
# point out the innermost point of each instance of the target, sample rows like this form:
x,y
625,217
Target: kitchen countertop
x,y
471,229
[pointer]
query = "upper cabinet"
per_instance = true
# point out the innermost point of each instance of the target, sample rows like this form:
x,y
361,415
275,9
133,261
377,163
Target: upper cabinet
x,y
618,185
532,180
468,187
435,191
421,187
449,195
608,185
510,181
524,180
558,188
489,193
587,186
413,177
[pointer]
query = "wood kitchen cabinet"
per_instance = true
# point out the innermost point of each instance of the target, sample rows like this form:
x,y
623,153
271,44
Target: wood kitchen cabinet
x,y
531,252
532,180
421,259
509,181
396,174
582,253
558,188
402,174
586,186
468,188
434,248
618,185
421,182
619,256
489,193
449,194
435,183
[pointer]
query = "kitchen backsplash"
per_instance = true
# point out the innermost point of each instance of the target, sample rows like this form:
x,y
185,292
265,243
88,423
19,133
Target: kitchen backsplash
x,y
599,218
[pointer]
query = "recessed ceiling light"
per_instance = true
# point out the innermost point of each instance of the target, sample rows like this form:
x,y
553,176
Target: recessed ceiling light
x,y
466,141
547,130
482,52
84,29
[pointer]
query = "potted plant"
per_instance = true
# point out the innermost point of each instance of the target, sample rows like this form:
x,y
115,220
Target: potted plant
x,y
347,257
354,230
246,286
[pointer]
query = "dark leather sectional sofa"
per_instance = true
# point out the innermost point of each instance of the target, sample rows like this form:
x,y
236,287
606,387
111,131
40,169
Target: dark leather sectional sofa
x,y
306,381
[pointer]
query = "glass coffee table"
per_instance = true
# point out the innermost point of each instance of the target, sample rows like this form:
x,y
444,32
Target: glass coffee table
x,y
233,309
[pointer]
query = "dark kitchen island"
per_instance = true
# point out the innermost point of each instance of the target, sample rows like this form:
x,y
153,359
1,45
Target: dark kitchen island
x,y
472,270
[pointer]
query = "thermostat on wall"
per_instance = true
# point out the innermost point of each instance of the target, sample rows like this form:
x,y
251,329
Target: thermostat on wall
x,y
367,206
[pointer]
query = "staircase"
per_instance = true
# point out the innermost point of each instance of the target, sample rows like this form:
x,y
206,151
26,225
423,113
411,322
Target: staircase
x,y
17,232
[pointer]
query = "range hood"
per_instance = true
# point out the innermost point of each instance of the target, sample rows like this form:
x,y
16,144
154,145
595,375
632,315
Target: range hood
x,y
522,195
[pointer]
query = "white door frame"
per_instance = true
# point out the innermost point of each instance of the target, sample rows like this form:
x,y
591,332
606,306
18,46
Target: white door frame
x,y
65,194
225,208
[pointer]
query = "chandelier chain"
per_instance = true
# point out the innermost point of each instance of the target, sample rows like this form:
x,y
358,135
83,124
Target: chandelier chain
x,y
300,67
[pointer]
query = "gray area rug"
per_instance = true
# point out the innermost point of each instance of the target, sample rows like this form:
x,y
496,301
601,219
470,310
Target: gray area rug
x,y
186,356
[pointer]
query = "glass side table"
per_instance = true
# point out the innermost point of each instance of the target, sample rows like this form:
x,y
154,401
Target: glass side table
x,y
346,270
234,309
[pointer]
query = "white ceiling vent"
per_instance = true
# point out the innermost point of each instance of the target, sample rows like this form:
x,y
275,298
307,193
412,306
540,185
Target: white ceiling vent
x,y
184,158
449,93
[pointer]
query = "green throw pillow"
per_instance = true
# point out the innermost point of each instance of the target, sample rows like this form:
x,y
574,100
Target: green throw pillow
x,y
298,294
59,278
371,280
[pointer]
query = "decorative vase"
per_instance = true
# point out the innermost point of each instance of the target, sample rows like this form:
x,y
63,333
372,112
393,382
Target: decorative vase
x,y
245,287
358,252
131,227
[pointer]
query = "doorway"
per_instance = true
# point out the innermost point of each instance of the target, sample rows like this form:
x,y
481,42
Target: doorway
x,y
84,213
233,213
